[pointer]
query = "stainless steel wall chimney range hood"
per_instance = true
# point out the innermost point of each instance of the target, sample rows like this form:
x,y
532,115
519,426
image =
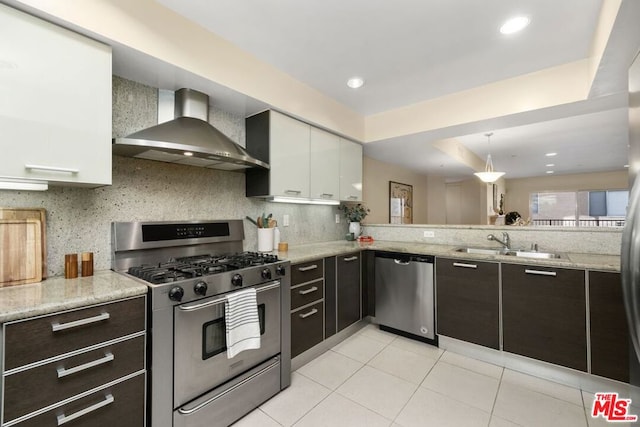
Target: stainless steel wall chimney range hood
x,y
188,139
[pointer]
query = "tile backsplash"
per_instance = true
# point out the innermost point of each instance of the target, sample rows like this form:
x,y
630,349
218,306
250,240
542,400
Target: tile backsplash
x,y
79,219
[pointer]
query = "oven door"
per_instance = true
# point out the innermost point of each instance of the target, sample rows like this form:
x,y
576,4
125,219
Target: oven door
x,y
200,360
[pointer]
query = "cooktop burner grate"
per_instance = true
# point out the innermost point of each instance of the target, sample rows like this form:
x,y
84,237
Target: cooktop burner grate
x,y
199,265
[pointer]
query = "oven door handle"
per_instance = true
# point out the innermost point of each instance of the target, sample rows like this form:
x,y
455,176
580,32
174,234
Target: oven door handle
x,y
222,300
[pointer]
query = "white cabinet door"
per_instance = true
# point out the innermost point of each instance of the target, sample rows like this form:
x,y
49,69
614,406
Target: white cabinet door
x,y
324,165
350,171
289,156
55,103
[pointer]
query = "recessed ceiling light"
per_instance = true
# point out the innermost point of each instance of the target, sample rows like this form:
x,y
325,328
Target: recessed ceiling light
x,y
515,24
550,165
626,166
551,154
355,82
549,172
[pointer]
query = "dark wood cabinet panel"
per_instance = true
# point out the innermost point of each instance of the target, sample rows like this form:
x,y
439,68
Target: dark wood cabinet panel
x,y
368,284
348,289
34,340
307,328
608,324
468,301
46,382
330,297
544,314
121,405
306,294
306,272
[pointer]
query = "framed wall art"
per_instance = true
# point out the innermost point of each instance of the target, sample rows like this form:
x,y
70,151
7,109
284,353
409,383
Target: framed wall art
x,y
400,203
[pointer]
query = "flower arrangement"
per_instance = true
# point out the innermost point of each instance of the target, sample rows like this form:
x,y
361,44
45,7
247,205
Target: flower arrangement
x,y
354,213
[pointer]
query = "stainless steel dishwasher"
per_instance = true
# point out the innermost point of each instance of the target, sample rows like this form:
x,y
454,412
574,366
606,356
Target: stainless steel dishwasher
x,y
405,295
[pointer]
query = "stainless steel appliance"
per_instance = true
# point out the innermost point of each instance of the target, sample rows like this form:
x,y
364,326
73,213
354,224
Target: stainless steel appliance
x,y
630,253
189,266
405,294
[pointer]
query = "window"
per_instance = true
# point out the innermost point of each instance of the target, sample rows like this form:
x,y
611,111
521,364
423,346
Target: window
x,y
603,208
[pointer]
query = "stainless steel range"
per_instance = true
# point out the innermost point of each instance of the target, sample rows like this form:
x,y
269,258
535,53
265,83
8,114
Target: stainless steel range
x,y
190,267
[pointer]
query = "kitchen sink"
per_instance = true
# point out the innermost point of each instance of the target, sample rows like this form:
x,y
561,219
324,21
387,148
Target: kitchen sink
x,y
511,252
534,254
482,251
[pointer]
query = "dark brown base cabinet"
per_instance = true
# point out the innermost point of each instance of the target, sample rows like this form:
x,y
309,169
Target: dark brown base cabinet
x,y
468,301
307,305
544,314
334,304
58,358
609,330
349,298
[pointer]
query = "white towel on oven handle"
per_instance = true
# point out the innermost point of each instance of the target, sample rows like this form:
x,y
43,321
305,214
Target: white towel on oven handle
x,y
242,322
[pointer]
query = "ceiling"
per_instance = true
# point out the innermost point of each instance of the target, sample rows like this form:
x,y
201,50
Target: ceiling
x,y
415,50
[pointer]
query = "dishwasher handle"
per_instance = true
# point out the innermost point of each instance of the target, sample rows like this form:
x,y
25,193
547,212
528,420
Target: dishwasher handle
x,y
405,259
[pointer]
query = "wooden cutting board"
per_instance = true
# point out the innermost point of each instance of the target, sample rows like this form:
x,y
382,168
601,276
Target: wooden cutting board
x,y
20,251
31,213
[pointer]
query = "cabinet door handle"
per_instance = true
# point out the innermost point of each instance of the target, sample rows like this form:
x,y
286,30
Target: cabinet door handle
x,y
352,197
540,272
308,268
52,168
55,327
351,258
296,192
308,291
464,265
63,372
326,195
63,419
310,313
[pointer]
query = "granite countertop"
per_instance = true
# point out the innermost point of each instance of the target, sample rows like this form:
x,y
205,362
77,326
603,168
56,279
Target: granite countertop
x,y
302,253
58,294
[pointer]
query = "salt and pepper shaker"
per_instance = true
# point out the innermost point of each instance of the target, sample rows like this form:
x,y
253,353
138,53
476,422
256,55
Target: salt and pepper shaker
x,y
87,264
71,266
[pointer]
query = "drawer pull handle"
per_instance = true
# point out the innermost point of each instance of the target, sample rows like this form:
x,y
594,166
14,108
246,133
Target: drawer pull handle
x,y
464,265
55,327
308,268
310,313
63,419
51,168
351,258
63,372
540,272
400,262
308,291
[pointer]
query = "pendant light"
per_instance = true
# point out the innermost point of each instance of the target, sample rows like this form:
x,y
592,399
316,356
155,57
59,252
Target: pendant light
x,y
489,175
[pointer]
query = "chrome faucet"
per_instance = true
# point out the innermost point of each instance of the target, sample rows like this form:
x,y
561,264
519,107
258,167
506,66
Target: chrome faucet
x,y
506,240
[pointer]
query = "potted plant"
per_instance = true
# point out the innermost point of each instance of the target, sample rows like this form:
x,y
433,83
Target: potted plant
x,y
354,215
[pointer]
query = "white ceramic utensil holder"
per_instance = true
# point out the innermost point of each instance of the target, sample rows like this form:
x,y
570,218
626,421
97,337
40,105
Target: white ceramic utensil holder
x,y
265,239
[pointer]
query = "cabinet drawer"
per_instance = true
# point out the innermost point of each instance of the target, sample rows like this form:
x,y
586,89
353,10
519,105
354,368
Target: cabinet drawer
x,y
306,294
65,378
29,341
306,272
307,328
121,405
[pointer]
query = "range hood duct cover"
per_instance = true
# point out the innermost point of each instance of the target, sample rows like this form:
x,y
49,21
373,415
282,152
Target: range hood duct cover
x,y
188,133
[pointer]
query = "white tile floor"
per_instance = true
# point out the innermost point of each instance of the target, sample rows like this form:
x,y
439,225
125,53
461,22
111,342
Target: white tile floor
x,y
375,378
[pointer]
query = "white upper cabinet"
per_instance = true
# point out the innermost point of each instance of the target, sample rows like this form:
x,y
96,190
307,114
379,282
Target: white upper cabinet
x,y
350,171
55,107
324,165
305,162
289,156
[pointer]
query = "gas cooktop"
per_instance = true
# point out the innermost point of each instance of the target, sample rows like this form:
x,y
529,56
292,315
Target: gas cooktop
x,y
182,268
